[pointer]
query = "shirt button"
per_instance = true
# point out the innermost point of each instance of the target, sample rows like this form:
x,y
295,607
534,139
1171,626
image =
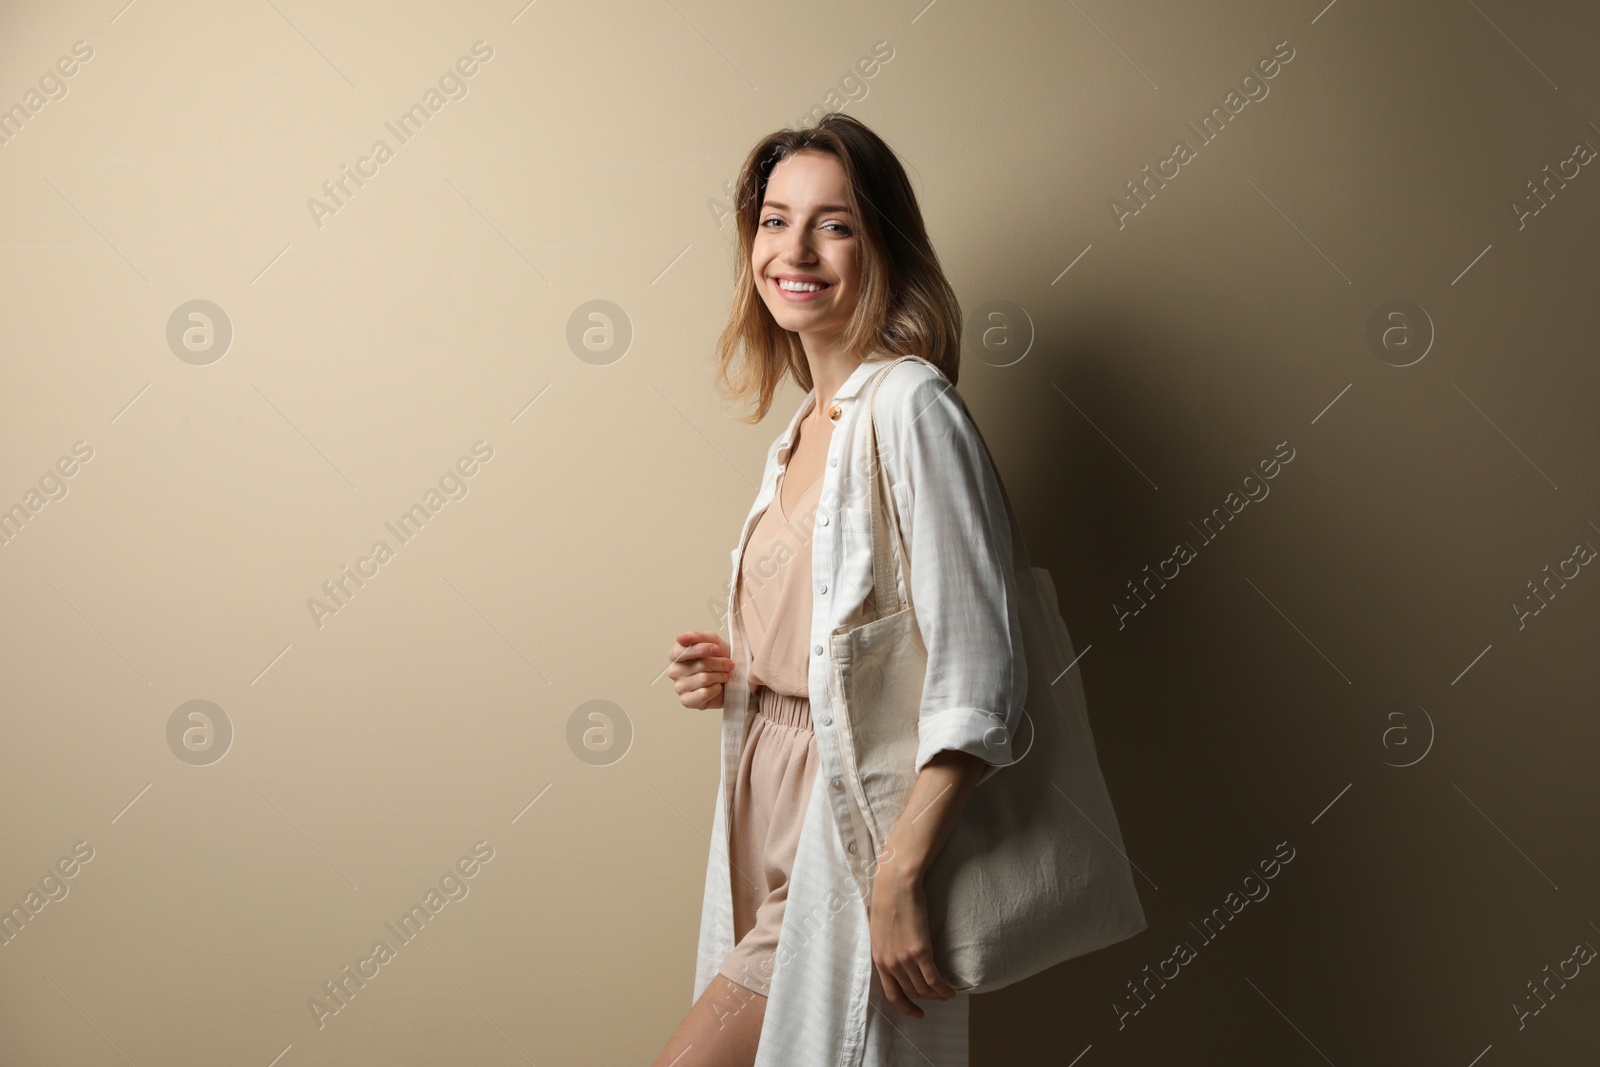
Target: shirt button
x,y
824,587
817,649
826,721
834,462
838,783
852,847
824,520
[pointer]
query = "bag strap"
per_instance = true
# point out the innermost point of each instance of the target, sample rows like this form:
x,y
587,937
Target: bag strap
x,y
882,506
885,513
885,588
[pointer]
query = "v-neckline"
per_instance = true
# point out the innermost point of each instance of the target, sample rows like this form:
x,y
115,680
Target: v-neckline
x,y
783,475
778,495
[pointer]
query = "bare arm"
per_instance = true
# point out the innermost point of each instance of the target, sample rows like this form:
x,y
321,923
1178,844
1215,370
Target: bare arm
x,y
901,947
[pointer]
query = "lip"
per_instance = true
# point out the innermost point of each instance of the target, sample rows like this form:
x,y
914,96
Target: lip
x,y
799,298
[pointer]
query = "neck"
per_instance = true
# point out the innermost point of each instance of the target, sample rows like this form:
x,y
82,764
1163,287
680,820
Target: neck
x,y
830,367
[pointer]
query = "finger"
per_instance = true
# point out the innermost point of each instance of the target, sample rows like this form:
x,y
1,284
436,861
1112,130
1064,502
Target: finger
x,y
715,645
688,668
711,650
706,679
932,978
690,687
683,668
910,976
695,637
698,650
896,996
700,699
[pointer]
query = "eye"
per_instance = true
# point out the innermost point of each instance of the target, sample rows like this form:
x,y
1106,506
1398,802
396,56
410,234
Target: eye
x,y
770,218
843,230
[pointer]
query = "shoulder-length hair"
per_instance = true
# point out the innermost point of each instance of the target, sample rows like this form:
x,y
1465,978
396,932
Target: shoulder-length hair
x,y
906,306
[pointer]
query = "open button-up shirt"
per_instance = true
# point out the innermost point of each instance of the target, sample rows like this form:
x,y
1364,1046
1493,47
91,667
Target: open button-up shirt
x,y
825,1007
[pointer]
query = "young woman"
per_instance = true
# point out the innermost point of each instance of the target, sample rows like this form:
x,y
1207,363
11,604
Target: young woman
x,y
814,946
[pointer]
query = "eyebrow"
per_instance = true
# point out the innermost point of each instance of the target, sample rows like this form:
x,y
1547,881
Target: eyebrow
x,y
820,208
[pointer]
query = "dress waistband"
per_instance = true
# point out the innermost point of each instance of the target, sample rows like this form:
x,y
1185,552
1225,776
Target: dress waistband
x,y
783,708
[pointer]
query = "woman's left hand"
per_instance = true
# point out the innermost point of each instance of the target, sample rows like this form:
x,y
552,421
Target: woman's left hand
x,y
902,951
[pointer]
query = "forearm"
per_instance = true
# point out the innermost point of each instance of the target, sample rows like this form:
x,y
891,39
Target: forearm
x,y
937,797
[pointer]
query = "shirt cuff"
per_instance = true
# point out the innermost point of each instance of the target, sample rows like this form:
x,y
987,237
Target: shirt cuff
x,y
971,730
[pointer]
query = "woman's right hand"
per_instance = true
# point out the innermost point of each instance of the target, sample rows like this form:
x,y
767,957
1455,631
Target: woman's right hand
x,y
700,665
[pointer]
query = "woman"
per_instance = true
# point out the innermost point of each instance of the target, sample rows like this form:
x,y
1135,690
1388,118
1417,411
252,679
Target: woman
x,y
814,947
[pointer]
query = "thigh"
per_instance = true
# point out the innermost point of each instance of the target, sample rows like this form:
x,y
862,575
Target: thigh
x,y
721,1030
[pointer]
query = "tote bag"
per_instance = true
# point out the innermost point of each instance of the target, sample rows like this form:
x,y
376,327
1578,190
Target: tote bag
x,y
1033,872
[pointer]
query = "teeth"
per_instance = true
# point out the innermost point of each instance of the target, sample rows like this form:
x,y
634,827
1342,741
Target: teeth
x,y
799,287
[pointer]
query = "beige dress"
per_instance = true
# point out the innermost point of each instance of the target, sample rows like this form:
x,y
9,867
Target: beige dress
x,y
779,759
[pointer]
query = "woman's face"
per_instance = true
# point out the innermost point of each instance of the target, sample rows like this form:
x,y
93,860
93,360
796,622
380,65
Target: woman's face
x,y
806,237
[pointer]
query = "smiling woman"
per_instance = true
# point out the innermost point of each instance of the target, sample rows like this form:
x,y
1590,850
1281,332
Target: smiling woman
x,y
814,940
764,341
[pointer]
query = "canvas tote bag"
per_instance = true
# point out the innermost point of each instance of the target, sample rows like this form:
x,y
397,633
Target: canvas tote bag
x,y
1034,872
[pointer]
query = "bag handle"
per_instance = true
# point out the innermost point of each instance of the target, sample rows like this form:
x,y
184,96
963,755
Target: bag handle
x,y
882,505
885,512
885,587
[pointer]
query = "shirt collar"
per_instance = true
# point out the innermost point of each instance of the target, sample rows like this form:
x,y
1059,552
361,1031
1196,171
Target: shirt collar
x,y
851,387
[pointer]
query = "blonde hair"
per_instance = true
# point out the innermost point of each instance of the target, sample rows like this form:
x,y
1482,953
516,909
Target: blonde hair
x,y
906,305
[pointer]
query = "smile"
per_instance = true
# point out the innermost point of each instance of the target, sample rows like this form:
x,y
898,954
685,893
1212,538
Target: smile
x,y
799,291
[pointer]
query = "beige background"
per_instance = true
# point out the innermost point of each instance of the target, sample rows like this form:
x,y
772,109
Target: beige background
x,y
1245,706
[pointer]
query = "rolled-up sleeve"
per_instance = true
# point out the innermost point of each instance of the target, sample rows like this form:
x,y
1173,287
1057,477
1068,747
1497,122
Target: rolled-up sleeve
x,y
963,586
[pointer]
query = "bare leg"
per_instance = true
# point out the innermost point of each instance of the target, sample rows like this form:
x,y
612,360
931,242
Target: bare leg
x,y
721,1030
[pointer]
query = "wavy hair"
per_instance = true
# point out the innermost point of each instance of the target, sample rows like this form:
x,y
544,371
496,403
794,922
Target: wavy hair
x,y
906,305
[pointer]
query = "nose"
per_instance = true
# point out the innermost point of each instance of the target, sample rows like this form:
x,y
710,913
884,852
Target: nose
x,y
798,246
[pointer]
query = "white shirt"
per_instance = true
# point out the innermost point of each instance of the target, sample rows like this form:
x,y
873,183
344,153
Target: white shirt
x,y
825,1007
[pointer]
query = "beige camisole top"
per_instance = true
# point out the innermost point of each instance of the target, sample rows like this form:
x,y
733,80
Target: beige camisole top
x,y
775,593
